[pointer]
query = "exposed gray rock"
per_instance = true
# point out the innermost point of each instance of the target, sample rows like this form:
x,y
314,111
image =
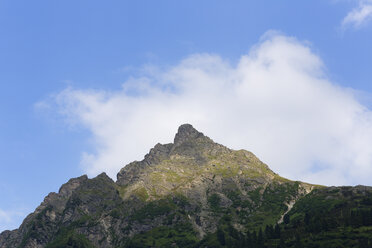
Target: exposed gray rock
x,y
193,180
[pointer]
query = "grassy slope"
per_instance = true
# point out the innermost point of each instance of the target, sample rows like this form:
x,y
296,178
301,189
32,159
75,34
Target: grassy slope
x,y
326,218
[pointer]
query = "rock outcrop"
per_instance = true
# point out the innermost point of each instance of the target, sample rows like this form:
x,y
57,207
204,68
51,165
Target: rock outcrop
x,y
185,188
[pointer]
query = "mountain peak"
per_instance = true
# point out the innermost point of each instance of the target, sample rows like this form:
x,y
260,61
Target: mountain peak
x,y
185,133
186,189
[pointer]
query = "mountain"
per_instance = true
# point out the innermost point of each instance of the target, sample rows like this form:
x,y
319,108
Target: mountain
x,y
197,193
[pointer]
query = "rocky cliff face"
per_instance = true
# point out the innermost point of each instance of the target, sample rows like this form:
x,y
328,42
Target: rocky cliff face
x,y
184,190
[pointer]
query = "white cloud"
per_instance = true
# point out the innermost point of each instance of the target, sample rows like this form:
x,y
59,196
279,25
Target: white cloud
x,y
276,102
9,220
4,216
359,15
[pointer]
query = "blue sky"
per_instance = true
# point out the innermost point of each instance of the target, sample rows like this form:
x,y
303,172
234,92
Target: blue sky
x,y
53,54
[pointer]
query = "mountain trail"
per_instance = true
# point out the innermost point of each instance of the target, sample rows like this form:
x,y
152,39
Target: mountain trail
x,y
292,203
290,206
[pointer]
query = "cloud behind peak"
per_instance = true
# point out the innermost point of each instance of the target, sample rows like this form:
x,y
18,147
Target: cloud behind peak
x,y
358,16
276,101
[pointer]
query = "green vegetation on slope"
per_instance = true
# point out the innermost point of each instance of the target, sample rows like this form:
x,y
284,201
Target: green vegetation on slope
x,y
181,235
326,218
196,193
67,238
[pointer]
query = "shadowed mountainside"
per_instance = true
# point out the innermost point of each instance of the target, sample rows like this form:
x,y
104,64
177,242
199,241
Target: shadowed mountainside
x,y
189,193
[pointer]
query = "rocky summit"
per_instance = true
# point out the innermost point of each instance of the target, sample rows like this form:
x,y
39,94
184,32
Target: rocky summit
x,y
196,193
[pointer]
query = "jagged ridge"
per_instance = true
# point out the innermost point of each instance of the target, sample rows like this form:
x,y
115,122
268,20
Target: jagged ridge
x,y
190,184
